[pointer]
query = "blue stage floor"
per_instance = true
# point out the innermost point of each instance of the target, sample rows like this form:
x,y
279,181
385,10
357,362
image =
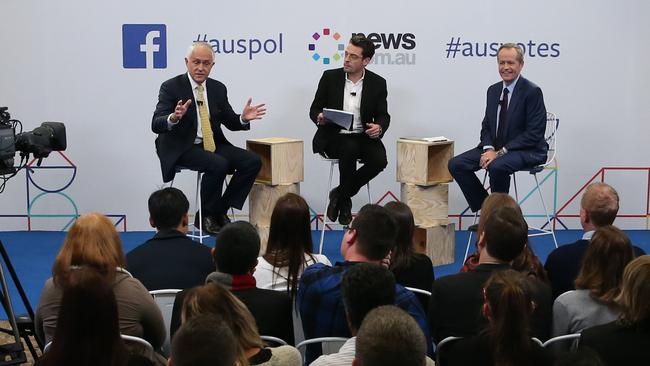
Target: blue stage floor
x,y
32,253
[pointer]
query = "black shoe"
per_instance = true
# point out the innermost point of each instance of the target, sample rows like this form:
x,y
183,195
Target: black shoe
x,y
333,206
211,226
473,228
345,211
222,220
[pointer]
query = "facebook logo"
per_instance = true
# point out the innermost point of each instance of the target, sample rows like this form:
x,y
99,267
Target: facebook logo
x,y
144,46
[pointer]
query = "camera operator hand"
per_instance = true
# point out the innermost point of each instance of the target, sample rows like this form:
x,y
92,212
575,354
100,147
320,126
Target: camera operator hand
x,y
180,110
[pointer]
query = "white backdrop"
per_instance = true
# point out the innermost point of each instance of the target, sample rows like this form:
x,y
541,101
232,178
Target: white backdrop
x,y
62,61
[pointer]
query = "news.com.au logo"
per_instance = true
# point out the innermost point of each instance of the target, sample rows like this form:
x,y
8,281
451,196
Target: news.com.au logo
x,y
144,46
391,48
329,42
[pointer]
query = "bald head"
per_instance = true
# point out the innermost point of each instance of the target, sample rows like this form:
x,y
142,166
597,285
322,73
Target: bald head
x,y
599,205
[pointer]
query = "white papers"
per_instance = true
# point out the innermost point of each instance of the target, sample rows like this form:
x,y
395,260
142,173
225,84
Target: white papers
x,y
427,139
341,118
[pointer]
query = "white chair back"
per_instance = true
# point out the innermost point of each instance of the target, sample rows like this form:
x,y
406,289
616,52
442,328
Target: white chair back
x,y
573,338
146,347
165,301
328,344
550,136
418,291
273,341
440,345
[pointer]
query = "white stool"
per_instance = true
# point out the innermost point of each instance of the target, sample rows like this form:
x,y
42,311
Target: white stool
x,y
197,205
332,162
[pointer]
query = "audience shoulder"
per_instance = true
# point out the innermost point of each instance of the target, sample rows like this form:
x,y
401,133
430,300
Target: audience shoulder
x,y
287,356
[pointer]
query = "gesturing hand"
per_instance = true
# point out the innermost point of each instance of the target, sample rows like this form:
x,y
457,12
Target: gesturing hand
x,y
180,110
252,112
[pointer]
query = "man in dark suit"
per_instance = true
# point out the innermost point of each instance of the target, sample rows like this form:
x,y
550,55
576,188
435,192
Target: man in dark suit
x,y
235,255
512,132
169,260
598,207
190,136
363,93
456,300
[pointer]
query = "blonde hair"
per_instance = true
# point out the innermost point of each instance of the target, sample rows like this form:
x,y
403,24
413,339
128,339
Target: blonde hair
x,y
91,241
635,292
215,299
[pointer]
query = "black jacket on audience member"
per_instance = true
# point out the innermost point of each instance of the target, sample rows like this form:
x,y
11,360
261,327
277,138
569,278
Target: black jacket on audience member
x,y
271,310
170,260
456,303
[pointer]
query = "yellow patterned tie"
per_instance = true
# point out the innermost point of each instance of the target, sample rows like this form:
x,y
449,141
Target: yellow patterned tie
x,y
208,137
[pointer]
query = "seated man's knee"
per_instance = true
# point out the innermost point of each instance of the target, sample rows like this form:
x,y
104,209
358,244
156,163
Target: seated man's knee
x,y
256,163
377,163
496,168
453,165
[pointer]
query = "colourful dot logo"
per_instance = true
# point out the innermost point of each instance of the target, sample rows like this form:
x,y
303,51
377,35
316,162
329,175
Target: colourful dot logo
x,y
327,41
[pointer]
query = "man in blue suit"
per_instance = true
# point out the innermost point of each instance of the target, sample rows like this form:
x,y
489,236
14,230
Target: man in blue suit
x,y
512,132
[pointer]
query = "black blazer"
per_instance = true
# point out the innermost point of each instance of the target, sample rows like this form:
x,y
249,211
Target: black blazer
x,y
171,144
374,107
170,260
526,119
618,345
456,303
564,262
271,310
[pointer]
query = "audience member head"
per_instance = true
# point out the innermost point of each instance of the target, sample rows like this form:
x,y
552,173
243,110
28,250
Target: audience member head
x,y
87,330
491,203
602,267
204,340
217,300
168,209
371,235
389,336
289,237
599,206
635,293
403,252
92,241
504,235
508,307
236,249
364,287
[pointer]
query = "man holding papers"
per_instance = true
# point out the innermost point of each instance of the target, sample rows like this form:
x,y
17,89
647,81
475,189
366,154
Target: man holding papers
x,y
362,94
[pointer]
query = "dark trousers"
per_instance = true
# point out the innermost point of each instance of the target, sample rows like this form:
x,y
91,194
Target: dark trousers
x,y
463,166
350,147
227,159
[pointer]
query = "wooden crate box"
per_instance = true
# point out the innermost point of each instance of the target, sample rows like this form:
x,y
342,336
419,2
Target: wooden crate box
x,y
424,162
429,204
282,159
263,231
262,199
437,242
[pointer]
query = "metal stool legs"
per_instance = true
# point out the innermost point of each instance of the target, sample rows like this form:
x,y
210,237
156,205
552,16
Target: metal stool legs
x,y
327,201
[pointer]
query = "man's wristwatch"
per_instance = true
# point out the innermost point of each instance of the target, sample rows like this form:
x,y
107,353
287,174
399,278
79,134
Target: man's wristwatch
x,y
502,152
